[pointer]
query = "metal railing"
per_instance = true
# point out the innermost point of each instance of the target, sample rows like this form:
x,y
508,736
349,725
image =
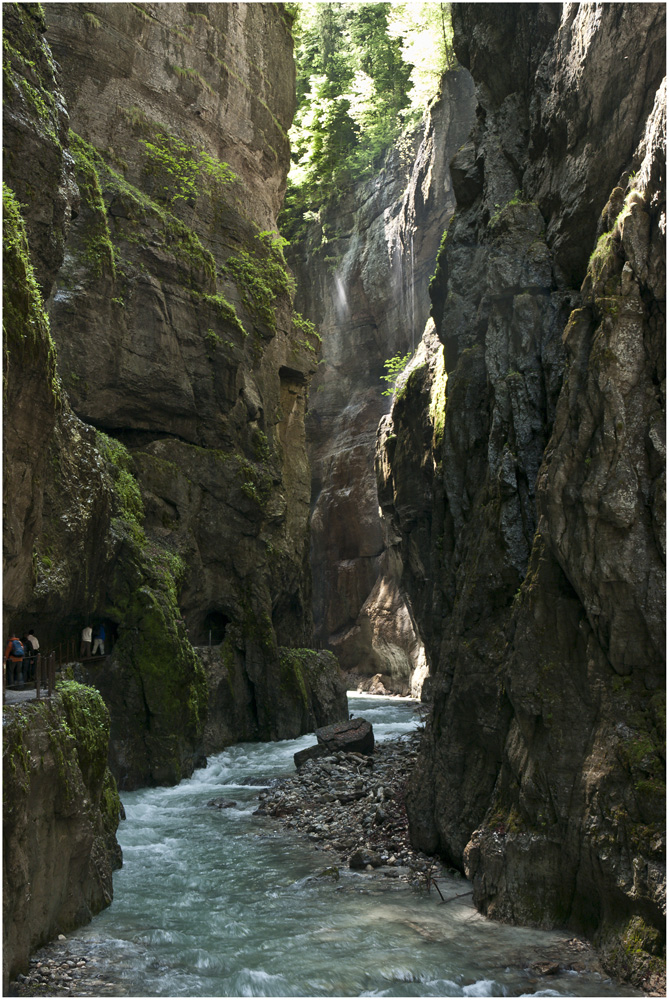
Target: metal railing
x,y
45,674
70,650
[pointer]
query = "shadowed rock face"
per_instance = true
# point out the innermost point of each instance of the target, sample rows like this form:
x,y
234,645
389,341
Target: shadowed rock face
x,y
60,815
363,273
536,570
162,483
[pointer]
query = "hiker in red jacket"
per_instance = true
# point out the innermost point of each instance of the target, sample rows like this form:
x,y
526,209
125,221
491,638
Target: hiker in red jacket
x,y
14,654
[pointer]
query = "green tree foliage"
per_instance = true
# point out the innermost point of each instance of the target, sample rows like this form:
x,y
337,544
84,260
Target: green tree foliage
x,y
352,83
394,367
425,32
358,86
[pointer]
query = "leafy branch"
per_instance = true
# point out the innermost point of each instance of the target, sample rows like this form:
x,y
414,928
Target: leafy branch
x,y
394,367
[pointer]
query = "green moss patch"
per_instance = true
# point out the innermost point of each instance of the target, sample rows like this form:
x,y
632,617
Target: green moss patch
x,y
292,663
437,409
25,325
28,68
634,951
95,230
106,183
261,274
125,485
88,721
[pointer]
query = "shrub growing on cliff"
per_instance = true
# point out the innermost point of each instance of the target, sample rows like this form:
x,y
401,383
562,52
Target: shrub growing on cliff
x,y
180,171
125,484
261,275
394,367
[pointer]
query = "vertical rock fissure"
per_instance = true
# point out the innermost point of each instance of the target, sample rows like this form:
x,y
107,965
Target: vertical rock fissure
x,y
373,305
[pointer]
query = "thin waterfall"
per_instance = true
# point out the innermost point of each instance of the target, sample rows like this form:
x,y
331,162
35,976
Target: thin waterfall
x,y
413,297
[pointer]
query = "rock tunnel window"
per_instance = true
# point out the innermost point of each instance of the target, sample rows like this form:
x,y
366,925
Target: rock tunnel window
x,y
214,628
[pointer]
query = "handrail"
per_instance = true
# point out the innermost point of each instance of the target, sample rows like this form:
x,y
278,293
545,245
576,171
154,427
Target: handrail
x,y
45,665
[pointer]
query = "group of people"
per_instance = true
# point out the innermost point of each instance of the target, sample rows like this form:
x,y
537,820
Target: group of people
x,y
21,654
21,657
97,637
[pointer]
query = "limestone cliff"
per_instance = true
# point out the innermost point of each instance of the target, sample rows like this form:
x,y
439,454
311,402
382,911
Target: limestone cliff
x,y
537,577
159,480
60,815
363,269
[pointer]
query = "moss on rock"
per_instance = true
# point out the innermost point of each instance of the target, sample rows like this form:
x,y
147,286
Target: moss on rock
x,y
25,325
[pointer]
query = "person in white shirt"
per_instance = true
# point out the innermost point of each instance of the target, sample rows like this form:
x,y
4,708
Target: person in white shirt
x,y
32,647
86,639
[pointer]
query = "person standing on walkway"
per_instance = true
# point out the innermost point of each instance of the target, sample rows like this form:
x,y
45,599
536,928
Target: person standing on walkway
x,y
14,660
99,641
86,638
31,646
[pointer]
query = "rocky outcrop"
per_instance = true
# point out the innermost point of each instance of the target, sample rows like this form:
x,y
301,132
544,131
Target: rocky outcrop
x,y
166,489
311,693
34,232
536,569
407,471
363,271
60,815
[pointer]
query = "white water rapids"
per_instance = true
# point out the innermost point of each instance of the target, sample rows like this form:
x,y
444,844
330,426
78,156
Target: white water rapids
x,y
219,903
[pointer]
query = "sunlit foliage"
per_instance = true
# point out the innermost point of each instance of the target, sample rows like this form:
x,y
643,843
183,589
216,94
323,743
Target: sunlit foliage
x,y
365,71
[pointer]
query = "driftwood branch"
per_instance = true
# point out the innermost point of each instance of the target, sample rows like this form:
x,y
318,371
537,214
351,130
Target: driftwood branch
x,y
459,896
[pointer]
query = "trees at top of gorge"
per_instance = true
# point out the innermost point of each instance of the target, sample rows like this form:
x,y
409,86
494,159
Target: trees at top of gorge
x,y
365,71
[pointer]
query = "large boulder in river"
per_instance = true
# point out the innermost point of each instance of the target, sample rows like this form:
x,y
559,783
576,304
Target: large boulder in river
x,y
354,736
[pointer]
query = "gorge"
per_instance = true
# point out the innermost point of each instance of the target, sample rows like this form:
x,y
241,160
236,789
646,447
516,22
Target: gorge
x,y
197,450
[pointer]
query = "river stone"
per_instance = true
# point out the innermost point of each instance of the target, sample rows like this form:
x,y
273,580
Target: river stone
x,y
356,734
362,859
309,753
260,782
221,803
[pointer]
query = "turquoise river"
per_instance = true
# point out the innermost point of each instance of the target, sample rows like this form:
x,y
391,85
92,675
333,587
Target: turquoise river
x,y
222,903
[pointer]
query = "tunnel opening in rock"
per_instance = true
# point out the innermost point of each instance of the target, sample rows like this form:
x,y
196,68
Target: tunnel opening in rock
x,y
213,629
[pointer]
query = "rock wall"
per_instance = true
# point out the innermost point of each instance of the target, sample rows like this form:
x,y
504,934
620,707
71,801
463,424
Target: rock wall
x,y
363,271
311,693
536,568
60,815
164,486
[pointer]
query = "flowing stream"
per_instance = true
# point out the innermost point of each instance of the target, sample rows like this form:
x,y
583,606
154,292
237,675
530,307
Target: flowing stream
x,y
217,902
